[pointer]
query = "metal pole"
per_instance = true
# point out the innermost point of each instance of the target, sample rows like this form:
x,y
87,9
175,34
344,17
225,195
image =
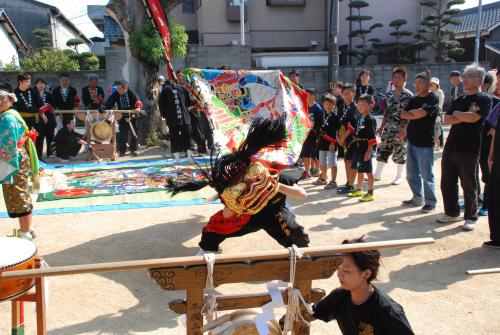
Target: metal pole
x,y
478,31
242,21
333,50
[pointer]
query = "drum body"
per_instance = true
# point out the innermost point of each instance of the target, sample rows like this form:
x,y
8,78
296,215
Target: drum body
x,y
16,254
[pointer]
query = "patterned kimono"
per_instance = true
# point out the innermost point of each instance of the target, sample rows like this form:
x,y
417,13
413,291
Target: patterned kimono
x,y
15,144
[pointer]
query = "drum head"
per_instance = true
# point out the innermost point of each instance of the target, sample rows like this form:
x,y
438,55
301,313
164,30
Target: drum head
x,y
14,251
101,131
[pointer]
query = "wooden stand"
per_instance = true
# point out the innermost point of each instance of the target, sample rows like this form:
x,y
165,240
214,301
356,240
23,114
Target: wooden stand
x,y
98,150
193,279
38,297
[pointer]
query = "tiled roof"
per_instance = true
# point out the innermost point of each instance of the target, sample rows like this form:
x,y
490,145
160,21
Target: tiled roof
x,y
489,18
111,28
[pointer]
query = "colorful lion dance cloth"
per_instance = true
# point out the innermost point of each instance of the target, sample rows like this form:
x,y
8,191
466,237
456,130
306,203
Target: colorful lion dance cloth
x,y
233,99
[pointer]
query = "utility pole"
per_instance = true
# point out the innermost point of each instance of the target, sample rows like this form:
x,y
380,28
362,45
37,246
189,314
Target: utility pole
x,y
242,21
478,31
333,50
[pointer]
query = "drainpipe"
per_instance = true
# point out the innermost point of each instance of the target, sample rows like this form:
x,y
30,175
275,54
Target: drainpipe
x,y
478,31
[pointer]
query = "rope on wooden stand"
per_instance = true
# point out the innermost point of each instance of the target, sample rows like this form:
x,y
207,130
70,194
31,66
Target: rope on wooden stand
x,y
294,295
209,308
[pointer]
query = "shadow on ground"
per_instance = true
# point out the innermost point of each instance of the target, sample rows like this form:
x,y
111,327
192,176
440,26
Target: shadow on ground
x,y
158,241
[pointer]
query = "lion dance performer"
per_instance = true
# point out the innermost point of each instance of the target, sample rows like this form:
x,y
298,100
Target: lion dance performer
x,y
17,154
253,193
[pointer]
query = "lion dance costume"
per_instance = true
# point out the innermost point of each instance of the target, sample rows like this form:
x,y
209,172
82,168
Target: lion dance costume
x,y
249,188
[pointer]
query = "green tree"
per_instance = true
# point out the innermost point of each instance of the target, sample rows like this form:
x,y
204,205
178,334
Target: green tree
x,y
363,50
144,65
42,39
49,60
75,42
10,67
436,28
400,52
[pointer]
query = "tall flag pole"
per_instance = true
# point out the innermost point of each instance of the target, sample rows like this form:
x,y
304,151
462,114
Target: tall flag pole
x,y
155,11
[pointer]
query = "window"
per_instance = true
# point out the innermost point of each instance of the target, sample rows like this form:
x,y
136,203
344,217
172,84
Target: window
x,y
286,2
188,6
235,2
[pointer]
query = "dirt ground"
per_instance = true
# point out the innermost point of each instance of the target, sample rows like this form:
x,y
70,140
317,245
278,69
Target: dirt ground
x,y
429,282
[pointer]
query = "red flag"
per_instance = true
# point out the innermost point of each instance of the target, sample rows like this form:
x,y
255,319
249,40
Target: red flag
x,y
162,25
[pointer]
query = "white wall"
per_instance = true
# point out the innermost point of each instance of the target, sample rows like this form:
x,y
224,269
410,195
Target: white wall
x,y
8,48
61,34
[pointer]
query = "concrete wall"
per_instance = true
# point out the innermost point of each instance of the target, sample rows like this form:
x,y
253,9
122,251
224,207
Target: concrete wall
x,y
236,57
78,79
9,49
381,74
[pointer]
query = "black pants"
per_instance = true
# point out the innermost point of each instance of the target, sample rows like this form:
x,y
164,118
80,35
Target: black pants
x,y
281,226
30,122
47,133
207,130
125,131
494,201
197,134
463,166
66,150
485,170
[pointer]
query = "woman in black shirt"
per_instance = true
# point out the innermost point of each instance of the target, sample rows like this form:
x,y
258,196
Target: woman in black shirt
x,y
357,305
363,85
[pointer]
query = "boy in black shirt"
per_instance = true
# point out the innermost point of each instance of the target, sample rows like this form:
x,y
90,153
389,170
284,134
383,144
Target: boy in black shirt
x,y
348,116
327,142
358,306
67,142
337,92
461,151
364,141
421,112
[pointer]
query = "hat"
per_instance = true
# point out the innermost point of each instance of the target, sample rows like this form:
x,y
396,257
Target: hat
x,y
455,74
12,96
435,80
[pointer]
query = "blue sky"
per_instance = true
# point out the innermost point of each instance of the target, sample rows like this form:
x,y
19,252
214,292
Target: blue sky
x,y
76,11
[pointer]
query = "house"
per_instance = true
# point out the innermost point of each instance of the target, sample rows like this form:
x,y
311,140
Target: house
x,y
291,32
465,33
28,15
10,40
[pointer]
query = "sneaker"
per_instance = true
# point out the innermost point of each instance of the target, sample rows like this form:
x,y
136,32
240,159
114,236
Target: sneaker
x,y
491,244
412,203
345,189
397,181
355,194
62,160
51,156
448,219
427,209
320,182
462,206
483,212
367,197
331,185
24,236
469,225
315,173
305,176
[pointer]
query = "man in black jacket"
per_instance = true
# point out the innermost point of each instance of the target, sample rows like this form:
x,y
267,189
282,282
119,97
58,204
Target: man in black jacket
x,y
65,96
29,104
125,99
174,102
